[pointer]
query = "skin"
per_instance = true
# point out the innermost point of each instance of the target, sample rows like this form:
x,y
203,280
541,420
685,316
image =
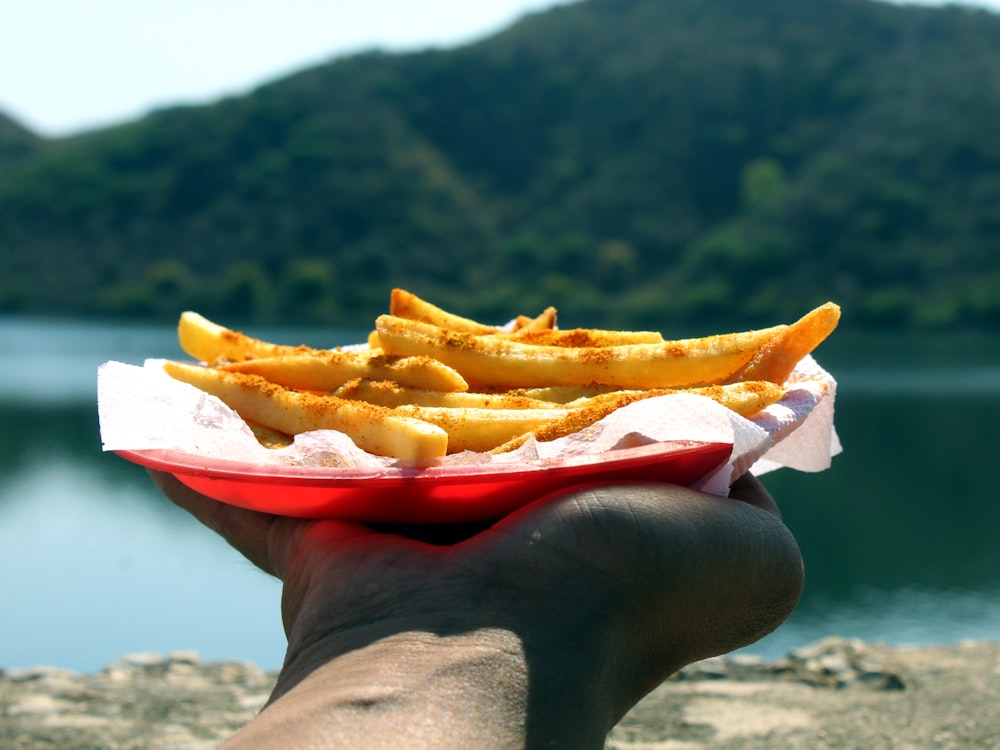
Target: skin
x,y
540,631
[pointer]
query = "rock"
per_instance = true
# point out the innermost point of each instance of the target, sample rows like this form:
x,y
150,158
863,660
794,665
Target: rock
x,y
837,694
140,700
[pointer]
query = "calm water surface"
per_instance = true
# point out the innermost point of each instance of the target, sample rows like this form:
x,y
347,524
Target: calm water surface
x,y
899,537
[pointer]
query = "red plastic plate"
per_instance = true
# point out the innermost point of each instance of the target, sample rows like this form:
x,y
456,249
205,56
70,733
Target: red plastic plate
x,y
441,494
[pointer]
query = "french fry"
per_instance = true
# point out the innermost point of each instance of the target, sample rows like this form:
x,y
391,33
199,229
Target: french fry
x,y
328,370
387,393
776,359
481,429
372,428
582,337
543,322
502,363
407,305
745,398
268,437
209,342
564,394
432,383
303,367
404,304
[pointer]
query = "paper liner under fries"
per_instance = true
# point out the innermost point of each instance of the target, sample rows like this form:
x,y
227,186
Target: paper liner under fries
x,y
143,408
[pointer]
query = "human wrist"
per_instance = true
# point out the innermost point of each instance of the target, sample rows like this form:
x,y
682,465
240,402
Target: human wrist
x,y
483,688
559,625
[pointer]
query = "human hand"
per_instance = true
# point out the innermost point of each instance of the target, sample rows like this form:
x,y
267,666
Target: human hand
x,y
541,630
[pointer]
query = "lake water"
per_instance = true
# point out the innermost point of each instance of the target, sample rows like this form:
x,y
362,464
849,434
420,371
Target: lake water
x,y
900,536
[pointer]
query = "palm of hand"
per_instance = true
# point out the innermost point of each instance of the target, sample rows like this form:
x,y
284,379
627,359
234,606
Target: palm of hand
x,y
642,578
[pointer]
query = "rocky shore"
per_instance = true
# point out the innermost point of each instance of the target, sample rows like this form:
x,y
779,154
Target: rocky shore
x,y
835,693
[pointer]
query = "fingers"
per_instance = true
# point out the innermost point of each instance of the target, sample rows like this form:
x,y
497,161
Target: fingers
x,y
748,489
269,542
246,530
710,575
688,575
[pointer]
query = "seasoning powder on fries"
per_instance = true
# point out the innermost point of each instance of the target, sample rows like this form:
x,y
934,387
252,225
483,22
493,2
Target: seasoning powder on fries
x,y
399,404
432,384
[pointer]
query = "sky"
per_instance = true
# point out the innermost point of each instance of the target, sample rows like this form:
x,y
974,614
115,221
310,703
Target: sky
x,y
68,66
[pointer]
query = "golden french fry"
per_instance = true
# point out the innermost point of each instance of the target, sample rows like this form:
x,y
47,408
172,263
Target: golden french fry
x,y
372,428
776,360
481,429
209,342
565,394
583,337
388,393
577,418
513,444
269,437
433,383
543,322
404,304
407,305
327,371
745,398
499,362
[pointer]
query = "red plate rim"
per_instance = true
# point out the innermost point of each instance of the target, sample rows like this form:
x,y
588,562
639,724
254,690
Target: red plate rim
x,y
180,462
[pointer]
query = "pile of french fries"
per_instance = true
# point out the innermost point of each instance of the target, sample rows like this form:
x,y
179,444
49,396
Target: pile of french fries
x,y
432,383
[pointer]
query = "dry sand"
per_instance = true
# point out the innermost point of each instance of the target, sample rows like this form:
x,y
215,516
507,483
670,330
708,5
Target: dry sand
x,y
832,694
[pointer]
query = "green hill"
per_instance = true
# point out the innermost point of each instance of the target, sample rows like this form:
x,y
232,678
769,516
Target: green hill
x,y
633,162
17,143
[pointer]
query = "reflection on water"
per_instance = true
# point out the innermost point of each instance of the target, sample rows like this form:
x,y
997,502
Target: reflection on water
x,y
56,363
958,383
910,501
95,567
94,562
899,537
904,615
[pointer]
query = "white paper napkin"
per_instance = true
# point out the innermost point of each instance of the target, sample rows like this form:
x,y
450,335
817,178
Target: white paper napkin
x,y
143,408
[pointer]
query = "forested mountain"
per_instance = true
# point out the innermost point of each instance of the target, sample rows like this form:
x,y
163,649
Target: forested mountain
x,y
17,143
632,162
